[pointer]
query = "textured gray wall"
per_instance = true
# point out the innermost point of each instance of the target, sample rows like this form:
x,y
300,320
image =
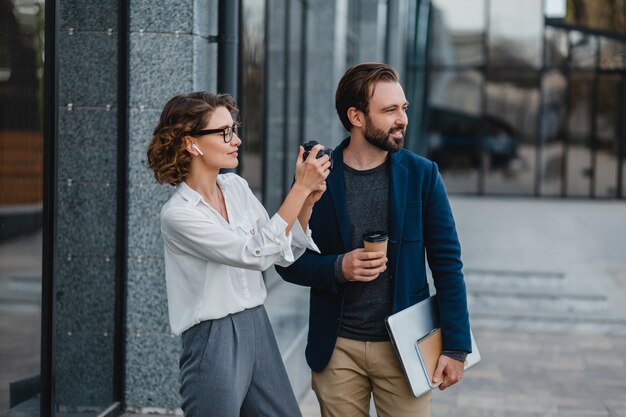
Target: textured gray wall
x,y
169,53
85,247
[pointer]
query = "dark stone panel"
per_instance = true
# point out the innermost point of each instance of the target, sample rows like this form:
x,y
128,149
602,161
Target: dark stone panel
x,y
90,134
88,69
88,14
86,219
146,299
161,66
85,295
84,370
167,16
152,373
144,227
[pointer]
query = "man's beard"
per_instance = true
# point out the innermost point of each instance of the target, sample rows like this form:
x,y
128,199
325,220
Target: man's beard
x,y
382,139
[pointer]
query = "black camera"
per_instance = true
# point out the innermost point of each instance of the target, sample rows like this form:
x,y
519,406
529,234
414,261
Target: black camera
x,y
326,151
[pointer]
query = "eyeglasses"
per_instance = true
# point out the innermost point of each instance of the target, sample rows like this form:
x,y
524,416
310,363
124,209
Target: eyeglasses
x,y
227,132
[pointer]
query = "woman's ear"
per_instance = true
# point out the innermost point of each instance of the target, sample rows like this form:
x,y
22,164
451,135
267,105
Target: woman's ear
x,y
355,116
189,146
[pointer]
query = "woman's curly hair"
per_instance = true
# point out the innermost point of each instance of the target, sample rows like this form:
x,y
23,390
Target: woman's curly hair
x,y
182,115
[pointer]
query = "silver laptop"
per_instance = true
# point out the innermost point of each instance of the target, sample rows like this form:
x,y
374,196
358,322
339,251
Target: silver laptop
x,y
406,327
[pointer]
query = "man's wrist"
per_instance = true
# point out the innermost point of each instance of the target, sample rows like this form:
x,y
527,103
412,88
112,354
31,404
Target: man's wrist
x,y
339,278
455,354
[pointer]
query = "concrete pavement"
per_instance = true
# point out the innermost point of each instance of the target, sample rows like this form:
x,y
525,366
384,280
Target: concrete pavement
x,y
547,297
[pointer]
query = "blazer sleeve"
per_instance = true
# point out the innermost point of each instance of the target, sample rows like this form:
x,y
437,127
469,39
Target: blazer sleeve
x,y
443,250
312,270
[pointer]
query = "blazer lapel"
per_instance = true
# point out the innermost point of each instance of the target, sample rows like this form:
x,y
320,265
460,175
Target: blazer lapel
x,y
397,196
336,187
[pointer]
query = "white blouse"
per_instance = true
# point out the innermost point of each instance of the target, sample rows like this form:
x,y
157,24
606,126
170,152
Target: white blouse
x,y
212,267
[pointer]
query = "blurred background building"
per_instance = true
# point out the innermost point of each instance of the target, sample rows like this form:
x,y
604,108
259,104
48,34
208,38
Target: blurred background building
x,y
509,97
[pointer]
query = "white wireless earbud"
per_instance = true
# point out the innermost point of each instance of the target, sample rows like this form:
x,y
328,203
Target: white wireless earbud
x,y
193,145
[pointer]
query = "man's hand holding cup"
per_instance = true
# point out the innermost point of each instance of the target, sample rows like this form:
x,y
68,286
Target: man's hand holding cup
x,y
365,264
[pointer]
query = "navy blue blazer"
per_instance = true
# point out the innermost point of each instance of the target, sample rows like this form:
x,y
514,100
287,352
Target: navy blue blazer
x,y
421,225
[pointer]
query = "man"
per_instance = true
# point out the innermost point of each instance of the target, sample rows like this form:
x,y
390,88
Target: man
x,y
377,185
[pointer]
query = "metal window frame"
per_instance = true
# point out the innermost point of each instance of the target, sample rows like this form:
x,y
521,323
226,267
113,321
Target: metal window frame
x,y
50,132
568,70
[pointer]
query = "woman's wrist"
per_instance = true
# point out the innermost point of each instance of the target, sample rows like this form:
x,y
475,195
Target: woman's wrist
x,y
300,189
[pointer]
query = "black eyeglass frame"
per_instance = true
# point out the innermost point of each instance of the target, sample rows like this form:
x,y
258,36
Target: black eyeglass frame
x,y
233,130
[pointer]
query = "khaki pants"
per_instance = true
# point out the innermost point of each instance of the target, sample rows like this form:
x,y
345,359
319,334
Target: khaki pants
x,y
358,369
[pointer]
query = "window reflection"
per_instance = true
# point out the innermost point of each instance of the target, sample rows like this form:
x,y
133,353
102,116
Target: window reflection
x,y
252,92
624,178
556,47
553,131
455,127
21,166
515,29
606,140
510,137
584,49
612,54
457,32
579,127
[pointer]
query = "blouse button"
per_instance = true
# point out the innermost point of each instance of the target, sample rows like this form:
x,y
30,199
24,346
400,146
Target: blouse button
x,y
258,252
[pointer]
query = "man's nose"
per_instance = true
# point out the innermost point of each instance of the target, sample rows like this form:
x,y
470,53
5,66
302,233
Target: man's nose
x,y
403,119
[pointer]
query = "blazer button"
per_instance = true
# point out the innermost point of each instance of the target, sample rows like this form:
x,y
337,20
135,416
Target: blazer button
x,y
258,252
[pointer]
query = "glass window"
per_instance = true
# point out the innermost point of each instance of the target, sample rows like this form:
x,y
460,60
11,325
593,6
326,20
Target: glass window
x,y
555,8
556,48
606,140
579,127
515,30
623,174
454,126
553,131
612,54
457,32
252,93
583,50
365,31
458,91
21,189
510,132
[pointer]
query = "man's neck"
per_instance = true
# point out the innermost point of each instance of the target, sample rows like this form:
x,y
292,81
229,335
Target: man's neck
x,y
362,155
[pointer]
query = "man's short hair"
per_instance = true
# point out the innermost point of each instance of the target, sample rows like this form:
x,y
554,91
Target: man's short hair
x,y
356,87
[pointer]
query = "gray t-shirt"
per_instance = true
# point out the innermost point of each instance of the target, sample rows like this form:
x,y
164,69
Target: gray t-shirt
x,y
367,304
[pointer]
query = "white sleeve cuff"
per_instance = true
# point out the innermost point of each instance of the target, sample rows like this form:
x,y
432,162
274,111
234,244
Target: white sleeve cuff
x,y
275,240
302,239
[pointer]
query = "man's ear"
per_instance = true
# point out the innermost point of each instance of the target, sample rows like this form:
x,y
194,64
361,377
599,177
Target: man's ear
x,y
356,117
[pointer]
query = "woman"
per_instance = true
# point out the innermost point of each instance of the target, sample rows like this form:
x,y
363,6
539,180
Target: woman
x,y
218,238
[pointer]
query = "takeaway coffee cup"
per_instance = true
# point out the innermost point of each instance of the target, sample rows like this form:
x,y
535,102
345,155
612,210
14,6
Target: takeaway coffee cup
x,y
375,241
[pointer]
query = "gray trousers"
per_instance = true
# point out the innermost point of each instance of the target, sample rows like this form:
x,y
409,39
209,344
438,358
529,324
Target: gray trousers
x,y
231,367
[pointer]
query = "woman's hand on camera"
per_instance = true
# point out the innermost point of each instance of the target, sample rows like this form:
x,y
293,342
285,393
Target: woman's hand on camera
x,y
312,172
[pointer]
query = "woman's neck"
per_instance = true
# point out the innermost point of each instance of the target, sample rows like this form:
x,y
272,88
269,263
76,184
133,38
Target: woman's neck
x,y
204,181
